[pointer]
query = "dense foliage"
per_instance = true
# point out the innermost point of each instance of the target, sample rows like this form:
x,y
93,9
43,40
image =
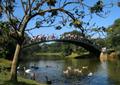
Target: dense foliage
x,y
7,44
113,35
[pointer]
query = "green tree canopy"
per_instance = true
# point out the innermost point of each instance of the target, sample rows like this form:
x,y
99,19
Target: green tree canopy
x,y
113,34
7,44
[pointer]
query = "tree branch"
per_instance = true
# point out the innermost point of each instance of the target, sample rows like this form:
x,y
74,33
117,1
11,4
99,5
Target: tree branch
x,y
23,7
29,6
27,17
40,26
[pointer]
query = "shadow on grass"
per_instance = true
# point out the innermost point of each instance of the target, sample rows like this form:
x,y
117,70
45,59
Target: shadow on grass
x,y
15,83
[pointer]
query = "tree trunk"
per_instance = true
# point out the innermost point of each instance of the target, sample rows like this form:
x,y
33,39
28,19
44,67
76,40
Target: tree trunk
x,y
15,62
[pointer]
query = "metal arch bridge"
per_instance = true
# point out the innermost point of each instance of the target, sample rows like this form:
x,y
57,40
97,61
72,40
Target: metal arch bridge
x,y
85,43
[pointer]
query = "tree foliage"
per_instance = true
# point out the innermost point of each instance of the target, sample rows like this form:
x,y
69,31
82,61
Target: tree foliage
x,y
113,34
7,44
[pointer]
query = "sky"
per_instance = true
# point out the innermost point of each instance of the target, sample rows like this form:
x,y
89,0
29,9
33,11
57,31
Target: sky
x,y
114,14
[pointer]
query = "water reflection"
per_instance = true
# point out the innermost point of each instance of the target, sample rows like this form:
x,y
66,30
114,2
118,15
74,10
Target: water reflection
x,y
103,73
114,71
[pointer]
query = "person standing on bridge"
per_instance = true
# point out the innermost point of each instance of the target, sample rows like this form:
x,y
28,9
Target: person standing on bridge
x,y
53,36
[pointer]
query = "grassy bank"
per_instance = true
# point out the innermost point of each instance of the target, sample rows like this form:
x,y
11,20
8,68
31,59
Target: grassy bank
x,y
73,55
5,63
76,55
5,75
60,55
49,54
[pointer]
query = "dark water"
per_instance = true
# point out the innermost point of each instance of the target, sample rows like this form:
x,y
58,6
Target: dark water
x,y
103,73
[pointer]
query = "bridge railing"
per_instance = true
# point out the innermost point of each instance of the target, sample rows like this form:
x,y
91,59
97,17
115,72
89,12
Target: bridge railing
x,y
42,38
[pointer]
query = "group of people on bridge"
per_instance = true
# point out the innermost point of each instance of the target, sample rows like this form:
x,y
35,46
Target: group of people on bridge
x,y
43,37
72,37
54,37
68,36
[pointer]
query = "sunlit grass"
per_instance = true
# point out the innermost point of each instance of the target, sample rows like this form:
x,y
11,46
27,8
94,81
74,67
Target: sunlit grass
x,y
73,55
49,54
5,63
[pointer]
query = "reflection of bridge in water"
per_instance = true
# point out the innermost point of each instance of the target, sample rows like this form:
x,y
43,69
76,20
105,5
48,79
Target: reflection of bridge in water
x,y
85,43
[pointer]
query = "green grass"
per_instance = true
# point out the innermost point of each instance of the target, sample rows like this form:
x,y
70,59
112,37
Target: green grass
x,y
39,55
60,55
48,54
5,76
73,55
5,63
76,55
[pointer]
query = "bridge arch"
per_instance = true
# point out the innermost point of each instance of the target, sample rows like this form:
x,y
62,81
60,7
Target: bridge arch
x,y
87,45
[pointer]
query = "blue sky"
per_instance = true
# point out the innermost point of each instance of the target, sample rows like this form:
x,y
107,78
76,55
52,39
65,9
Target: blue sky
x,y
114,14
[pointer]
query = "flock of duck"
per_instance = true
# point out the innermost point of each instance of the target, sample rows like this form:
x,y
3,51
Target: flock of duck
x,y
67,73
77,72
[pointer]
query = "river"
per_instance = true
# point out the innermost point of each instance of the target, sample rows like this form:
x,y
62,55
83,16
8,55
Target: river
x,y
102,73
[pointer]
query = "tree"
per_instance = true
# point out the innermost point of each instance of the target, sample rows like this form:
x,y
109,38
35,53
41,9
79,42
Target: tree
x,y
50,12
113,34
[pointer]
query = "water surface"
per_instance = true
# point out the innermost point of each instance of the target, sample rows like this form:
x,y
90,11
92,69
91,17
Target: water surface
x,y
103,73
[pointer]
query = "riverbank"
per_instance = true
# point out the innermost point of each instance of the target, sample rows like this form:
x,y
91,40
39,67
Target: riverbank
x,y
5,75
78,56
48,56
61,55
55,56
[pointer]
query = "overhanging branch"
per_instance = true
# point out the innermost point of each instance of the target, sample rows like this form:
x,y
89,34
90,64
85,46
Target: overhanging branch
x,y
27,18
38,28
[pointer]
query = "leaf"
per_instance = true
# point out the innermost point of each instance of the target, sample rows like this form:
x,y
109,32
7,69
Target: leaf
x,y
77,23
88,23
92,9
54,13
51,2
38,24
58,27
94,29
71,24
97,8
103,28
76,11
